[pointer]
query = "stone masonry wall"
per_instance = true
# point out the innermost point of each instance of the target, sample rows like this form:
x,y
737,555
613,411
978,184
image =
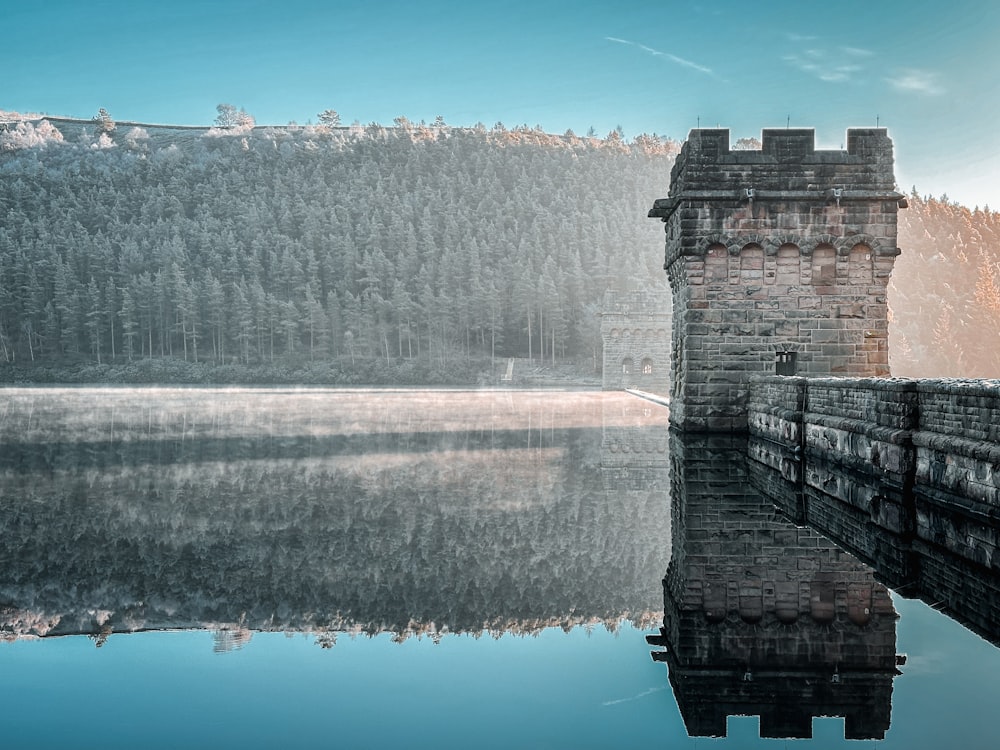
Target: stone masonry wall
x,y
635,332
782,253
943,434
932,446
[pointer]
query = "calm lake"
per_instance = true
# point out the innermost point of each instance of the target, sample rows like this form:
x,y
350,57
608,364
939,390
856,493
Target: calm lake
x,y
261,568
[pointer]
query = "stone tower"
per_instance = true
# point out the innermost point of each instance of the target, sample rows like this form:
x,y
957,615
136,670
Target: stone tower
x,y
778,261
635,332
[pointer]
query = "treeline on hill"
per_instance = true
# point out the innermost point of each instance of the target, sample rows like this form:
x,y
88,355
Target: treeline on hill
x,y
944,295
362,254
411,254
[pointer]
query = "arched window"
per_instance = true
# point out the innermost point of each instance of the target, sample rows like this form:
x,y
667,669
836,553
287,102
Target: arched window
x,y
824,266
627,366
752,265
859,265
647,366
716,264
788,266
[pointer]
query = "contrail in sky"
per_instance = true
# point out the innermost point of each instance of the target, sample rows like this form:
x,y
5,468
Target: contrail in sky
x,y
643,694
658,53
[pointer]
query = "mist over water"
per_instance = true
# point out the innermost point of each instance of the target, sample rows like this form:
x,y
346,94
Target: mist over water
x,y
365,567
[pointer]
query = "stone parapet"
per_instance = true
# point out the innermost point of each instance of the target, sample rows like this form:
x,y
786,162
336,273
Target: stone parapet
x,y
940,434
970,408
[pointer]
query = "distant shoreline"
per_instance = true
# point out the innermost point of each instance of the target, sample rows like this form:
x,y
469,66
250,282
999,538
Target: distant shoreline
x,y
328,373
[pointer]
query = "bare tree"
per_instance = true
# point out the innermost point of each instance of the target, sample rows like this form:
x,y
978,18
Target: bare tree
x,y
228,116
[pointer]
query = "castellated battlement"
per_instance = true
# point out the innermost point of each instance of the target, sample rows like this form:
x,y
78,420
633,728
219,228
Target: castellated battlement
x,y
778,261
788,161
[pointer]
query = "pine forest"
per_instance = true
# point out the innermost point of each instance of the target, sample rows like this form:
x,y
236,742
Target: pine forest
x,y
369,254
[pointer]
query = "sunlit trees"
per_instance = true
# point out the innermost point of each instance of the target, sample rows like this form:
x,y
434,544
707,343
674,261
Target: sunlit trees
x,y
231,118
26,134
103,122
944,290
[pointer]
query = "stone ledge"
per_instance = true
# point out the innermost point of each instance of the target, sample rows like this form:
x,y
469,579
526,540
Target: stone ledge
x,y
949,444
891,435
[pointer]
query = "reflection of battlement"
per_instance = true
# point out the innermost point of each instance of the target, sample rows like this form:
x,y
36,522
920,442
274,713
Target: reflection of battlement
x,y
762,617
635,331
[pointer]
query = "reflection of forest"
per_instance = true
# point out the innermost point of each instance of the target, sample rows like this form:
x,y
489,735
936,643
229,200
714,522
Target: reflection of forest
x,y
322,511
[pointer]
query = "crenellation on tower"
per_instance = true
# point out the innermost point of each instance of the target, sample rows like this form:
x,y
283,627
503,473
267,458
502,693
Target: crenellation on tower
x,y
778,261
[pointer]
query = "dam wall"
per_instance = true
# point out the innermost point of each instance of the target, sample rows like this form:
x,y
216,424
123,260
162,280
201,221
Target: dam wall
x,y
943,435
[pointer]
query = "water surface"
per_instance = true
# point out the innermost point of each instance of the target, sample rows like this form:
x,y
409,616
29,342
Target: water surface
x,y
358,568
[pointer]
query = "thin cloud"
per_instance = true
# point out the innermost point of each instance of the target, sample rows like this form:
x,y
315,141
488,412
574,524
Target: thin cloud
x,y
913,81
817,63
838,65
643,694
658,53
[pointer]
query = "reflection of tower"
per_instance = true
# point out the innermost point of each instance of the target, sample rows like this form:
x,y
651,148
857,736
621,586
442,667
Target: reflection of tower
x,y
635,331
635,446
225,640
762,617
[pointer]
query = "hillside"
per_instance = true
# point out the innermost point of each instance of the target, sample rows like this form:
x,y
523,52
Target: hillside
x,y
411,254
944,296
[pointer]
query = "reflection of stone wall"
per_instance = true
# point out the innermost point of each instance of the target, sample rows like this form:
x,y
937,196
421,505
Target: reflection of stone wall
x,y
914,461
635,333
924,543
635,458
762,617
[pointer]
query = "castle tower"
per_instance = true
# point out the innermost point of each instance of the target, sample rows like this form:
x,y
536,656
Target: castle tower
x,y
635,332
778,261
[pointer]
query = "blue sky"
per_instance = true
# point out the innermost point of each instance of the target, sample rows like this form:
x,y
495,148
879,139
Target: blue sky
x,y
928,71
